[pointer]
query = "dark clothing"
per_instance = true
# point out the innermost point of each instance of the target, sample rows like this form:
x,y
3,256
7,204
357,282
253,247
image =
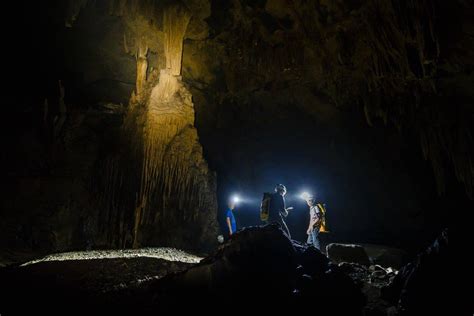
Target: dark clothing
x,y
277,206
278,211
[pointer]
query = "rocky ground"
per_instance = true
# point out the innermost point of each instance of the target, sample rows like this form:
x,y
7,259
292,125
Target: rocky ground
x,y
259,269
168,254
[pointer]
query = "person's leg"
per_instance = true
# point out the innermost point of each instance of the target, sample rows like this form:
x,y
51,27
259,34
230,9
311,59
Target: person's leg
x,y
310,239
315,238
282,225
278,222
285,228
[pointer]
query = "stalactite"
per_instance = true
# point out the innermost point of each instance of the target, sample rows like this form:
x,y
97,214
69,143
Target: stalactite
x,y
125,44
367,115
392,30
160,176
175,21
142,67
169,136
45,112
73,8
61,117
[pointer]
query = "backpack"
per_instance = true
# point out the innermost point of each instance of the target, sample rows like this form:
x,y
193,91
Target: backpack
x,y
265,206
323,227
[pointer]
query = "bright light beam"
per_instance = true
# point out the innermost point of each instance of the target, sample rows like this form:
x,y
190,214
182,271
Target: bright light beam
x,y
305,196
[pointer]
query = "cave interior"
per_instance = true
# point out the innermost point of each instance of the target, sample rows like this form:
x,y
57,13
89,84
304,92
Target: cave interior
x,y
130,123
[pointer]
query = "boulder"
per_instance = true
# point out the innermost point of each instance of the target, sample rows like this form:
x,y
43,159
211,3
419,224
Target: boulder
x,y
313,261
260,268
425,285
333,292
347,253
385,256
256,264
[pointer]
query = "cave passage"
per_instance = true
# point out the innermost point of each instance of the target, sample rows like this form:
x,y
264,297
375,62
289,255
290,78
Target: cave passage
x,y
130,124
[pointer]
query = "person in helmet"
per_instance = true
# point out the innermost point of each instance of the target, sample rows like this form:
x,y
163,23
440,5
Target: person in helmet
x,y
231,224
278,210
315,220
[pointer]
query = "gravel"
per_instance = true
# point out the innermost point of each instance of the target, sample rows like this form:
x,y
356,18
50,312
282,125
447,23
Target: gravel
x,y
170,254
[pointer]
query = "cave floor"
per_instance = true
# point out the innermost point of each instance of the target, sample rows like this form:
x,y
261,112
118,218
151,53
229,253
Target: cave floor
x,y
129,281
102,280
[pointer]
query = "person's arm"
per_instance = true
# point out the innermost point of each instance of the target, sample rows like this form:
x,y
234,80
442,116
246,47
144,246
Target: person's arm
x,y
282,207
311,223
310,227
229,226
314,219
317,221
317,216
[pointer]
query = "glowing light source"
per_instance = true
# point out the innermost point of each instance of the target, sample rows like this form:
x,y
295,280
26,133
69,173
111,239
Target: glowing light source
x,y
305,195
236,199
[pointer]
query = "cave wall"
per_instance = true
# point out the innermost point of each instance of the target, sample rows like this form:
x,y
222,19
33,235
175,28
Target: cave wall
x,y
406,64
350,97
330,94
108,155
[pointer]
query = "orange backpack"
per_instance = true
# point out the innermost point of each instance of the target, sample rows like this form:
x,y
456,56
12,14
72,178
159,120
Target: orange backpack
x,y
323,228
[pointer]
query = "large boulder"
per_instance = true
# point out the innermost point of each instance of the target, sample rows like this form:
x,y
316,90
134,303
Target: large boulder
x,y
347,253
255,265
259,268
312,261
386,256
333,292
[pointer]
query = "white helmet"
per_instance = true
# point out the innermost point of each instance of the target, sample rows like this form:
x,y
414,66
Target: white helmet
x,y
280,188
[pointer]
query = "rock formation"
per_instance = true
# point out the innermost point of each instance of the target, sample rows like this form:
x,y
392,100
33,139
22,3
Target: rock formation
x,y
259,268
422,285
104,150
347,253
174,192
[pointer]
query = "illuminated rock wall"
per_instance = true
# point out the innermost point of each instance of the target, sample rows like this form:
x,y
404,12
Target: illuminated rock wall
x,y
177,190
167,194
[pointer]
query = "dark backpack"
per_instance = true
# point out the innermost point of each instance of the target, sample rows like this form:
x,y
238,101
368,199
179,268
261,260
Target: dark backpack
x,y
265,206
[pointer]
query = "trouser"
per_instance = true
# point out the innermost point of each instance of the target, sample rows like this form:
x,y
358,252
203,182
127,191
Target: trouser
x,y
313,238
280,221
